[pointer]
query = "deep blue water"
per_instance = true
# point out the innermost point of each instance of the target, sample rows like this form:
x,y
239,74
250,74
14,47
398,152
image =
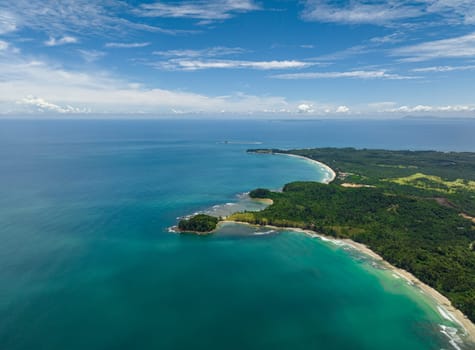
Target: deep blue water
x,y
86,260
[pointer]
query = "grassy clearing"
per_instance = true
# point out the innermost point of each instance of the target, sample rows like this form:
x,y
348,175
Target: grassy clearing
x,y
434,183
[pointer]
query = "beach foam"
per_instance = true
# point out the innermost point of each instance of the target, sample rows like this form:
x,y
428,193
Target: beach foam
x,y
450,317
453,336
257,233
329,240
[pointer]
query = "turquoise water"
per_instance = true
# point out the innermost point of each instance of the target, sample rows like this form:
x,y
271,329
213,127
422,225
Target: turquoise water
x,y
86,261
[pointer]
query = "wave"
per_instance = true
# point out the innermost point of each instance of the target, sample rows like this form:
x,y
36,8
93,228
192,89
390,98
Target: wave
x,y
257,233
453,336
445,314
243,195
330,240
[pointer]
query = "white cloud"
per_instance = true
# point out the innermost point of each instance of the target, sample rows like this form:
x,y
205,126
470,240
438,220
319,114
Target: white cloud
x,y
29,86
82,17
358,74
192,65
346,53
209,10
392,108
319,109
305,108
3,45
342,109
61,41
32,85
91,55
44,106
7,22
126,45
390,12
456,11
390,38
207,52
359,12
432,109
457,47
441,69
6,49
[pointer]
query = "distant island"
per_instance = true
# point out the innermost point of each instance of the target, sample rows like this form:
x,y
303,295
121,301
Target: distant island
x,y
413,208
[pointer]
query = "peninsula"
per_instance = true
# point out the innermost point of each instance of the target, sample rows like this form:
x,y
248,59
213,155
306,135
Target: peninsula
x,y
415,209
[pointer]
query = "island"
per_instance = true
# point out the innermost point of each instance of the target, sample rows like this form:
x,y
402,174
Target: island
x,y
415,209
199,224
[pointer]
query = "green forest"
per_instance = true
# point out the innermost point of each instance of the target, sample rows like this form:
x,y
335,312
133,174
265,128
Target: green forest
x,y
411,215
201,223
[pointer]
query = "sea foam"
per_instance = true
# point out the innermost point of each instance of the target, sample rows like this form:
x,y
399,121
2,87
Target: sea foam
x,y
453,336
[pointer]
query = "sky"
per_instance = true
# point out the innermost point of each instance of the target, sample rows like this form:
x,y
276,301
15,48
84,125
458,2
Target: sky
x,y
237,58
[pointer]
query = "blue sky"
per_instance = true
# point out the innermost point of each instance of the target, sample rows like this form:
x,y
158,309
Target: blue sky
x,y
312,58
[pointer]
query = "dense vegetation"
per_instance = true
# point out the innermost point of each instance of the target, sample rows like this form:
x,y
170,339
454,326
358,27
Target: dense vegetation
x,y
199,223
259,193
411,217
429,174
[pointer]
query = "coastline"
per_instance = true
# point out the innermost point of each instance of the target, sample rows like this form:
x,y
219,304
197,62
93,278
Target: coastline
x,y
266,201
329,171
175,229
444,306
465,327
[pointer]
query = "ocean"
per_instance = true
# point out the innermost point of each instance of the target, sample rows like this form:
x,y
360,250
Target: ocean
x,y
87,260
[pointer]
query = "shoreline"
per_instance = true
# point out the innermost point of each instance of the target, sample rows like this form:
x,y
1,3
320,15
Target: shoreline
x,y
266,201
444,306
328,170
175,229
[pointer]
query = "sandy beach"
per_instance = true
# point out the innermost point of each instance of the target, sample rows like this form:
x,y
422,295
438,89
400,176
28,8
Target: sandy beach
x,y
267,201
331,173
447,310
